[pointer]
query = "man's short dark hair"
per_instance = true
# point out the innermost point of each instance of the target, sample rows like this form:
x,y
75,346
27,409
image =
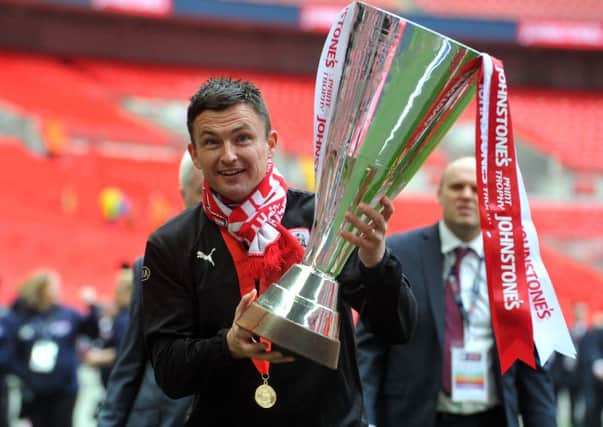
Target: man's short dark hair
x,y
220,93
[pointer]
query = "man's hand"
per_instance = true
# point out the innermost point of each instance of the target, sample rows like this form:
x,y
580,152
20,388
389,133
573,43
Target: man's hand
x,y
371,238
242,343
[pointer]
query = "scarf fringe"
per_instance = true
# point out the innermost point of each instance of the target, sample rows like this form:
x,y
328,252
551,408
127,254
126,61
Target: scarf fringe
x,y
277,259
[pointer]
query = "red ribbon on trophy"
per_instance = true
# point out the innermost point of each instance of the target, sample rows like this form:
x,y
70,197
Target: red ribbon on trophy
x,y
524,308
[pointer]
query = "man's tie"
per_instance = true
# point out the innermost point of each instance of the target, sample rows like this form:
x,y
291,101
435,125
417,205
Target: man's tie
x,y
453,334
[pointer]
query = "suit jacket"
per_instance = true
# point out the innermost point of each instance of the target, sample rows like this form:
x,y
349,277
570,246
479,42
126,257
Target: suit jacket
x,y
401,383
591,350
133,397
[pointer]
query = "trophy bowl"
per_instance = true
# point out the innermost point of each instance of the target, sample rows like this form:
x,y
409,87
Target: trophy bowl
x,y
398,90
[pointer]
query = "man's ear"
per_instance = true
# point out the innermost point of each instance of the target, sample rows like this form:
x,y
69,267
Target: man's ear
x,y
192,150
272,141
439,196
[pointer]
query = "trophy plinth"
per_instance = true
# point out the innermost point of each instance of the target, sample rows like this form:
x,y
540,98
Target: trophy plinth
x,y
299,313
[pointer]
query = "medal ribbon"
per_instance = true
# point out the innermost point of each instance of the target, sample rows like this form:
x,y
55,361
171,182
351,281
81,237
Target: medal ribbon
x,y
247,281
246,285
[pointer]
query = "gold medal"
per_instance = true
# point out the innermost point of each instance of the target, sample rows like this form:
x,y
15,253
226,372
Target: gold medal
x,y
265,396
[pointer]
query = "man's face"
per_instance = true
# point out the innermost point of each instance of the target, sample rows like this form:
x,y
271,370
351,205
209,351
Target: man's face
x,y
232,150
457,196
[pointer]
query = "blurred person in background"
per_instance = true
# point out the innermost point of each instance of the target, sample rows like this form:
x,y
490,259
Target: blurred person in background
x,y
190,182
591,356
133,397
194,291
567,371
410,385
6,359
46,357
103,356
26,295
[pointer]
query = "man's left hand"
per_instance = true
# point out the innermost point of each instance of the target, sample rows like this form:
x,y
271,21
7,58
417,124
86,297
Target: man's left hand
x,y
370,238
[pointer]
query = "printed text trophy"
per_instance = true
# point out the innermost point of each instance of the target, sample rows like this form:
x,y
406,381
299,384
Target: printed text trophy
x,y
399,89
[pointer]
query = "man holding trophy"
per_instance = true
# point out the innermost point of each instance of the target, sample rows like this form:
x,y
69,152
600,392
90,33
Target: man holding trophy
x,y
206,267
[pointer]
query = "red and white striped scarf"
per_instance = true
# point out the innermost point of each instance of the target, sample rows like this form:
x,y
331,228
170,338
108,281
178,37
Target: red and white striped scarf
x,y
256,222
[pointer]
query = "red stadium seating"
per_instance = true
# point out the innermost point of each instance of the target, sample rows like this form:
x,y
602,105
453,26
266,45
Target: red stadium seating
x,y
47,89
563,124
589,10
338,4
289,98
51,215
566,125
50,207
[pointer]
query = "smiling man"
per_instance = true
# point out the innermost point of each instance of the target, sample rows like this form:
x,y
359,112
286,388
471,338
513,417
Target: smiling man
x,y
447,374
208,265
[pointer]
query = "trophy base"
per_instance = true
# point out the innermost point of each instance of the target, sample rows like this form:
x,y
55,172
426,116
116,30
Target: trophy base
x,y
316,347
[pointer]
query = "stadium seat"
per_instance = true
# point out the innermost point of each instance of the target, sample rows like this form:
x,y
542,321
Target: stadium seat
x,y
589,10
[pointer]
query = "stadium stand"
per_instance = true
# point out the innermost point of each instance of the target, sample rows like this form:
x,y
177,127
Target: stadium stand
x,y
121,125
562,124
51,215
73,126
589,10
44,88
51,211
566,125
283,93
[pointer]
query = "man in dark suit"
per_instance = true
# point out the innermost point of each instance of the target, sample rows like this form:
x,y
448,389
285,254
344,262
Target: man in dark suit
x,y
133,396
590,356
567,372
412,384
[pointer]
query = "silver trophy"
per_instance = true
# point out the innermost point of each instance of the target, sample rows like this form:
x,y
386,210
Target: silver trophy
x,y
400,88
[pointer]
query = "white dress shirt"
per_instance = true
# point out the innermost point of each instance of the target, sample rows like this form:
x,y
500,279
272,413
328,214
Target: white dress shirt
x,y
478,328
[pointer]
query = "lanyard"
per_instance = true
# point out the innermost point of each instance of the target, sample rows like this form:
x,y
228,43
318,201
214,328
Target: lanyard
x,y
456,291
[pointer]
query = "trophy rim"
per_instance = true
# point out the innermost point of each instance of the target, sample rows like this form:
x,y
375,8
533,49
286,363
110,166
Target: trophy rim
x,y
362,3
